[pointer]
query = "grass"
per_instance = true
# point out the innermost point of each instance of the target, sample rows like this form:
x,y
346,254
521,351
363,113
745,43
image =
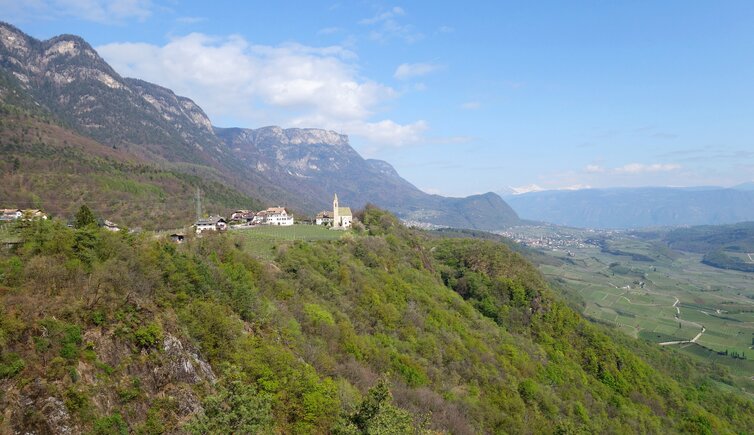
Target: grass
x,y
263,241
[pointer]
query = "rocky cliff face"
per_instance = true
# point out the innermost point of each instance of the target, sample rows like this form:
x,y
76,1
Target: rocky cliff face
x,y
66,77
118,377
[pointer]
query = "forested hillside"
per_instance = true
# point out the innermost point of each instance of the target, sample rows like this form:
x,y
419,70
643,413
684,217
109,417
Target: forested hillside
x,y
45,165
383,331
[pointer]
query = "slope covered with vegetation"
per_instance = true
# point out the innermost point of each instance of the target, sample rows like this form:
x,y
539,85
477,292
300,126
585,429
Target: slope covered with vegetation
x,y
45,165
379,331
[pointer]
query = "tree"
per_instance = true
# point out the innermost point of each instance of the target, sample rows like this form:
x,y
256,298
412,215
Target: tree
x,y
236,408
377,415
84,217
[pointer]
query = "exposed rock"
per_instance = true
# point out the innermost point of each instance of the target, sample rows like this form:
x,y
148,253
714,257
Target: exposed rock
x,y
187,402
181,364
39,412
56,414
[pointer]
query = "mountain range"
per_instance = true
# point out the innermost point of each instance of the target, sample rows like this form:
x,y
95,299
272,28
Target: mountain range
x,y
621,208
63,79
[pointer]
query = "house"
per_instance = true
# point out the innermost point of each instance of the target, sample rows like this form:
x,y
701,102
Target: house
x,y
110,226
242,215
32,214
259,218
10,214
341,216
178,237
212,223
323,218
273,216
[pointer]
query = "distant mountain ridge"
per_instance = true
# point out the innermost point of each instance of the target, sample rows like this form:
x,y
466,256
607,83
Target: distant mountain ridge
x,y
300,168
318,163
637,207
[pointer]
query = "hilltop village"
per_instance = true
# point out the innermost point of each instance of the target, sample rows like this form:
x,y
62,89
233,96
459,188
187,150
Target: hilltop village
x,y
339,218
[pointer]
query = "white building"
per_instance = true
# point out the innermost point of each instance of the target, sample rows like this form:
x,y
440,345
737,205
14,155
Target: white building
x,y
323,218
212,223
273,216
10,214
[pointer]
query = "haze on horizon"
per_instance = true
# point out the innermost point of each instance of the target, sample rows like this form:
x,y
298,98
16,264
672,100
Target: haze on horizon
x,y
460,98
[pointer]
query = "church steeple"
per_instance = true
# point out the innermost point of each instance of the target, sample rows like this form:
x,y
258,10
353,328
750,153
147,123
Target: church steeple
x,y
335,217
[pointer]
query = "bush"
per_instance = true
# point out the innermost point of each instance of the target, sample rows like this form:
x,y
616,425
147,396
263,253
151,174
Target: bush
x,y
11,364
148,336
110,425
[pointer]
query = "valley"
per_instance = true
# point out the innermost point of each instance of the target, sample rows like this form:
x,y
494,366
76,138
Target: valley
x,y
650,292
412,313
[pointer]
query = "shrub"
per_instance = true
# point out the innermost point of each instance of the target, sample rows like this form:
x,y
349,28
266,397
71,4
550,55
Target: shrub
x,y
148,336
110,425
11,364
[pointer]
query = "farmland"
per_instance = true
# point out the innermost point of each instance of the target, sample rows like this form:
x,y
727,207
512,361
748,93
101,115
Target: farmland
x,y
653,293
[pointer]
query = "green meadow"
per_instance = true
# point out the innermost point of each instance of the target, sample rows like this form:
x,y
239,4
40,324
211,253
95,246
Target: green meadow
x,y
263,241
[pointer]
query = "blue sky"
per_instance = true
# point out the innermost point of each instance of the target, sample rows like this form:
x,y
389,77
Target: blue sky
x,y
461,97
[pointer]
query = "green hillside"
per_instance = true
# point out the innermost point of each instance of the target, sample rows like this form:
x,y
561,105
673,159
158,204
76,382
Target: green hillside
x,y
46,166
723,246
380,331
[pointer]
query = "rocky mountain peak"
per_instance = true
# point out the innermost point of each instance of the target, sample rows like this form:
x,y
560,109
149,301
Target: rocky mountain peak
x,y
69,46
301,136
14,40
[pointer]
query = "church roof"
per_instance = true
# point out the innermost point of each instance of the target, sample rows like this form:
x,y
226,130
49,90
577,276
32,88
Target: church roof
x,y
344,211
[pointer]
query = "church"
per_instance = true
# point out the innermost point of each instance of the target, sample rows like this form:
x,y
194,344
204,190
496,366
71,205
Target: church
x,y
339,217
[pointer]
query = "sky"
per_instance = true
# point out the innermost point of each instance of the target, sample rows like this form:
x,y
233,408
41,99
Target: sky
x,y
460,97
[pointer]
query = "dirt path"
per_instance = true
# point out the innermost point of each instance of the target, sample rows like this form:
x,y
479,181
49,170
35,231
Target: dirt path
x,y
693,340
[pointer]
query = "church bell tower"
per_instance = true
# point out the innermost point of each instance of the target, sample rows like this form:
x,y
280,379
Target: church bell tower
x,y
335,217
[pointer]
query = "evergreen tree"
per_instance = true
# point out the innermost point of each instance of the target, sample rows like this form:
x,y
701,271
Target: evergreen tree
x,y
84,217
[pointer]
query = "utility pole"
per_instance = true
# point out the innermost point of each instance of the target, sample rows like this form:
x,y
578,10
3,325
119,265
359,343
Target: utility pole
x,y
198,204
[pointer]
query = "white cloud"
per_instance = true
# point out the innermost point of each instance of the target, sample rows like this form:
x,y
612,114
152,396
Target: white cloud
x,y
101,11
388,133
410,70
639,168
526,189
384,16
594,169
386,26
537,188
471,105
289,84
633,168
